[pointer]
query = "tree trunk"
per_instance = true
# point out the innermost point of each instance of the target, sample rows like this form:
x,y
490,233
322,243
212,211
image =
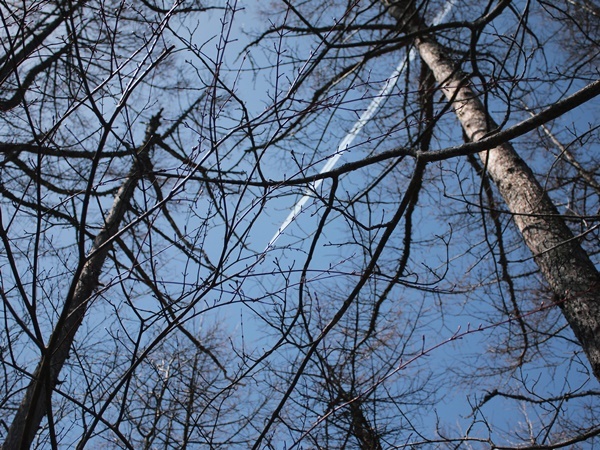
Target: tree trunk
x,y
37,400
567,268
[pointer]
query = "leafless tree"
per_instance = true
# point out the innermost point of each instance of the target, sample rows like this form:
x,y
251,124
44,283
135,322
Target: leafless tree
x,y
487,61
444,271
87,128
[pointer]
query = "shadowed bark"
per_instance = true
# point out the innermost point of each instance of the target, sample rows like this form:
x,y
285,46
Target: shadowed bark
x,y
37,400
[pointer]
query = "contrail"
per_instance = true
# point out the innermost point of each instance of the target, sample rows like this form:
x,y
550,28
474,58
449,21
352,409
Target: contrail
x,y
360,123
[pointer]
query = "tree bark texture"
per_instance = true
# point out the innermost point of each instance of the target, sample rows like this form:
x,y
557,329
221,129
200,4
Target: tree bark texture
x,y
567,268
37,400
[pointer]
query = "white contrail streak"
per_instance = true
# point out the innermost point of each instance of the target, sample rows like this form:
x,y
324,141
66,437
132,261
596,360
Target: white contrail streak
x,y
360,123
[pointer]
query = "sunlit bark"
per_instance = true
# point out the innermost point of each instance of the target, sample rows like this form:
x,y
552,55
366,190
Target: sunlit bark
x,y
565,265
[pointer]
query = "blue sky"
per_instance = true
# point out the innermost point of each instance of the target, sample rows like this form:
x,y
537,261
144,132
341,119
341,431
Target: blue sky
x,y
451,282
456,309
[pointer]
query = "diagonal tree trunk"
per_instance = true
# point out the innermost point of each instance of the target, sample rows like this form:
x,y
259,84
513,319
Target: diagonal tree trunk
x,y
37,400
567,268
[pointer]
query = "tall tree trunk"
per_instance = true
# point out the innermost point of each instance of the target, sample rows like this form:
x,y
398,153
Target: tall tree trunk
x,y
570,273
37,400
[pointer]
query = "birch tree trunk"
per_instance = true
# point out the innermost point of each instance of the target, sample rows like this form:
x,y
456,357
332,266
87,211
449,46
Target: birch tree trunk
x,y
567,268
37,400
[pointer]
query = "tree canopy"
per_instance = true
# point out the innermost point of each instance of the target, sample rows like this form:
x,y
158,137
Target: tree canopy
x,y
435,283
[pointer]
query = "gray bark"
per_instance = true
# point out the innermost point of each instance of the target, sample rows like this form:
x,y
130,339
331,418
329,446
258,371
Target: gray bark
x,y
37,400
567,268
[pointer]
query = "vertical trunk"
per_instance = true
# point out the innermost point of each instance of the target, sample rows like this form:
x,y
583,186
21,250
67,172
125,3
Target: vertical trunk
x,y
360,427
566,267
37,400
365,433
